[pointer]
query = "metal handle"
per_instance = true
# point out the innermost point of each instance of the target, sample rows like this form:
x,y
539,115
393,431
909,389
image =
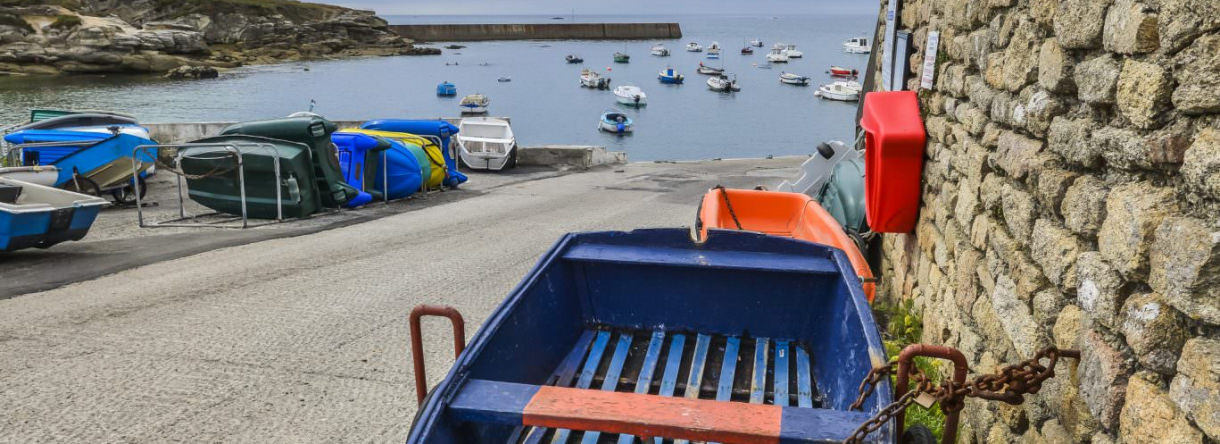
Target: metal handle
x,y
417,342
906,360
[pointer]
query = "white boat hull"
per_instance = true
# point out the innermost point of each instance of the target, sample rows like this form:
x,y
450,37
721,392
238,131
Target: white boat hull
x,y
839,94
855,49
798,82
38,175
777,58
474,110
630,101
486,143
793,54
612,128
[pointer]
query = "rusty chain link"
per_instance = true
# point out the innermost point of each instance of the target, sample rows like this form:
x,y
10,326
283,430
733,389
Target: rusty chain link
x,y
1010,385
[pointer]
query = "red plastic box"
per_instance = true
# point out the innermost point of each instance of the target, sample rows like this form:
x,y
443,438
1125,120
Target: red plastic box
x,y
893,160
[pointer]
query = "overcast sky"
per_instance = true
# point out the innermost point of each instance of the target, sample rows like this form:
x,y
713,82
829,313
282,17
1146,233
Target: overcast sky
x,y
626,7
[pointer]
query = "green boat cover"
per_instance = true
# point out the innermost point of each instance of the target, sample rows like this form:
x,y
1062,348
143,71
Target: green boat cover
x,y
221,191
314,132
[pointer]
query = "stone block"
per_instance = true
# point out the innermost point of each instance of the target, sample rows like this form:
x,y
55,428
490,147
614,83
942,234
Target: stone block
x,y
1181,21
1046,307
1015,154
1129,150
1097,79
1019,212
1072,140
1053,182
968,204
1036,109
1130,28
1055,249
1143,93
1185,267
1133,212
1195,72
1016,319
1201,164
1021,55
1002,105
1068,326
1100,289
1078,23
991,192
1043,12
1196,388
978,92
972,118
993,73
1154,331
1084,205
1150,417
1104,371
1055,68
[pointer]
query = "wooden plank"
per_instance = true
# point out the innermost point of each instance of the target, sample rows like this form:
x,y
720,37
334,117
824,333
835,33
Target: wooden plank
x,y
647,369
804,382
669,381
612,375
758,384
781,373
586,376
695,381
728,369
562,377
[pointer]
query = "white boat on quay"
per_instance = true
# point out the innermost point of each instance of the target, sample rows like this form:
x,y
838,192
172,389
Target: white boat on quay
x,y
486,143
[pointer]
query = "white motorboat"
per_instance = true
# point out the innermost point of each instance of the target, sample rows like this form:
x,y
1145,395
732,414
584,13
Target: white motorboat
x,y
660,50
714,48
777,56
39,175
630,96
474,104
793,79
709,70
791,52
486,143
722,83
591,79
850,84
857,45
615,121
838,91
694,47
756,43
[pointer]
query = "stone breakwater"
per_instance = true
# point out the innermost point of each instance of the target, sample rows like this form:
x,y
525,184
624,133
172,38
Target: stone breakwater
x,y
143,36
1070,198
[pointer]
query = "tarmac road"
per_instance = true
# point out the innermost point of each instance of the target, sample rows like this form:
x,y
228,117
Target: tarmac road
x,y
304,339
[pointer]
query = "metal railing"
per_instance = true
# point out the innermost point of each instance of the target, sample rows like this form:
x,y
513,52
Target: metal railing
x,y
233,150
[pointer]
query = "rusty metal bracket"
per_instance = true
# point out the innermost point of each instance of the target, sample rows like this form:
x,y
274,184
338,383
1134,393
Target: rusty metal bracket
x,y
906,359
417,341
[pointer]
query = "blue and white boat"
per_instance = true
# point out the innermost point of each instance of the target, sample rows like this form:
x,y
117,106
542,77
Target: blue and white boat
x,y
670,76
474,104
39,216
446,89
615,121
93,159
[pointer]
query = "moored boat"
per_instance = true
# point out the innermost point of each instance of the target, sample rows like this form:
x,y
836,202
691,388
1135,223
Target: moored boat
x,y
694,47
839,71
660,50
709,70
446,89
621,57
487,144
630,96
841,91
756,43
474,104
713,50
574,59
793,79
95,159
791,51
39,216
591,79
777,56
615,121
670,76
747,50
722,83
857,45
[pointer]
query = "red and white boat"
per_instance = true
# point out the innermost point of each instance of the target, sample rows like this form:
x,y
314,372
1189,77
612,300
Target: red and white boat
x,y
839,71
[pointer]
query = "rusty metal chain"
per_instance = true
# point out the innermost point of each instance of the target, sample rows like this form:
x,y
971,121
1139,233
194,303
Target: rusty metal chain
x,y
1010,385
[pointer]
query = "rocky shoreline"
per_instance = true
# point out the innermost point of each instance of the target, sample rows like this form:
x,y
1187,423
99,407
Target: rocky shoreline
x,y
152,36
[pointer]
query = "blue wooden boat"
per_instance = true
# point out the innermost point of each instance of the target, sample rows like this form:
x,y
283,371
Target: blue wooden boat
x,y
670,76
446,89
39,216
90,159
612,336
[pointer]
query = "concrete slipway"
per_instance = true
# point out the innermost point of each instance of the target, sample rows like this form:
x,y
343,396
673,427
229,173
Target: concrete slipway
x,y
299,334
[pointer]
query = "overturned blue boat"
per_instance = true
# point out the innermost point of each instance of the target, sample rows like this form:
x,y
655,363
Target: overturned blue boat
x,y
442,130
36,216
361,159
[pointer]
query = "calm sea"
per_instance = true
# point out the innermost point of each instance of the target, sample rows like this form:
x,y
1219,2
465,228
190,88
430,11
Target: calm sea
x,y
544,99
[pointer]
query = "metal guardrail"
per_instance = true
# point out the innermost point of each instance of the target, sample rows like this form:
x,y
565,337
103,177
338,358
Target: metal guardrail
x,y
232,149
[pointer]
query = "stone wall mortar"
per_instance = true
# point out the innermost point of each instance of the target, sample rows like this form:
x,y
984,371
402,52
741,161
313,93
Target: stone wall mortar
x,y
1071,196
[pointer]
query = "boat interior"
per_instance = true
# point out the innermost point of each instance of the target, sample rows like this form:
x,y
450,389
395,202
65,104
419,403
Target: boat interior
x,y
20,196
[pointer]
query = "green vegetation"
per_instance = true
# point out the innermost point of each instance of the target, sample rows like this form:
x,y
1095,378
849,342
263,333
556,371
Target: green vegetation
x,y
904,326
70,4
66,22
293,10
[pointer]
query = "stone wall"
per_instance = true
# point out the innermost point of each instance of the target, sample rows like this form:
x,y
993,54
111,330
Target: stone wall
x,y
1071,196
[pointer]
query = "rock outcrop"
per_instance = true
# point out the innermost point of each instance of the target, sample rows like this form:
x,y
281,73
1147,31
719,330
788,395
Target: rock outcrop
x,y
157,36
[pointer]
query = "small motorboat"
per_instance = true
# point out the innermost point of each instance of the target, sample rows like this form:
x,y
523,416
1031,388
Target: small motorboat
x,y
39,216
591,79
446,89
620,57
709,70
574,59
713,49
722,83
756,43
747,50
39,175
694,47
630,96
777,56
615,121
660,50
486,143
791,51
474,104
793,79
840,91
839,71
857,45
670,76
504,79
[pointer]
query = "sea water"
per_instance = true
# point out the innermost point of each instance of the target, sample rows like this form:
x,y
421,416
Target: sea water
x,y
544,99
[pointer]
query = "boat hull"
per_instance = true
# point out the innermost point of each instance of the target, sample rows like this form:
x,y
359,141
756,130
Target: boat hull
x,y
360,158
46,176
445,152
222,193
42,216
487,144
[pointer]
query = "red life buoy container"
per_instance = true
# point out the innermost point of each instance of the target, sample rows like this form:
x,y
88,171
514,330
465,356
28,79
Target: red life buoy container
x,y
893,160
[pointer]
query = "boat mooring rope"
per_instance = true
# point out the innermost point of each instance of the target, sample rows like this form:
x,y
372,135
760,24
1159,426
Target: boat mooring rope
x,y
725,194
